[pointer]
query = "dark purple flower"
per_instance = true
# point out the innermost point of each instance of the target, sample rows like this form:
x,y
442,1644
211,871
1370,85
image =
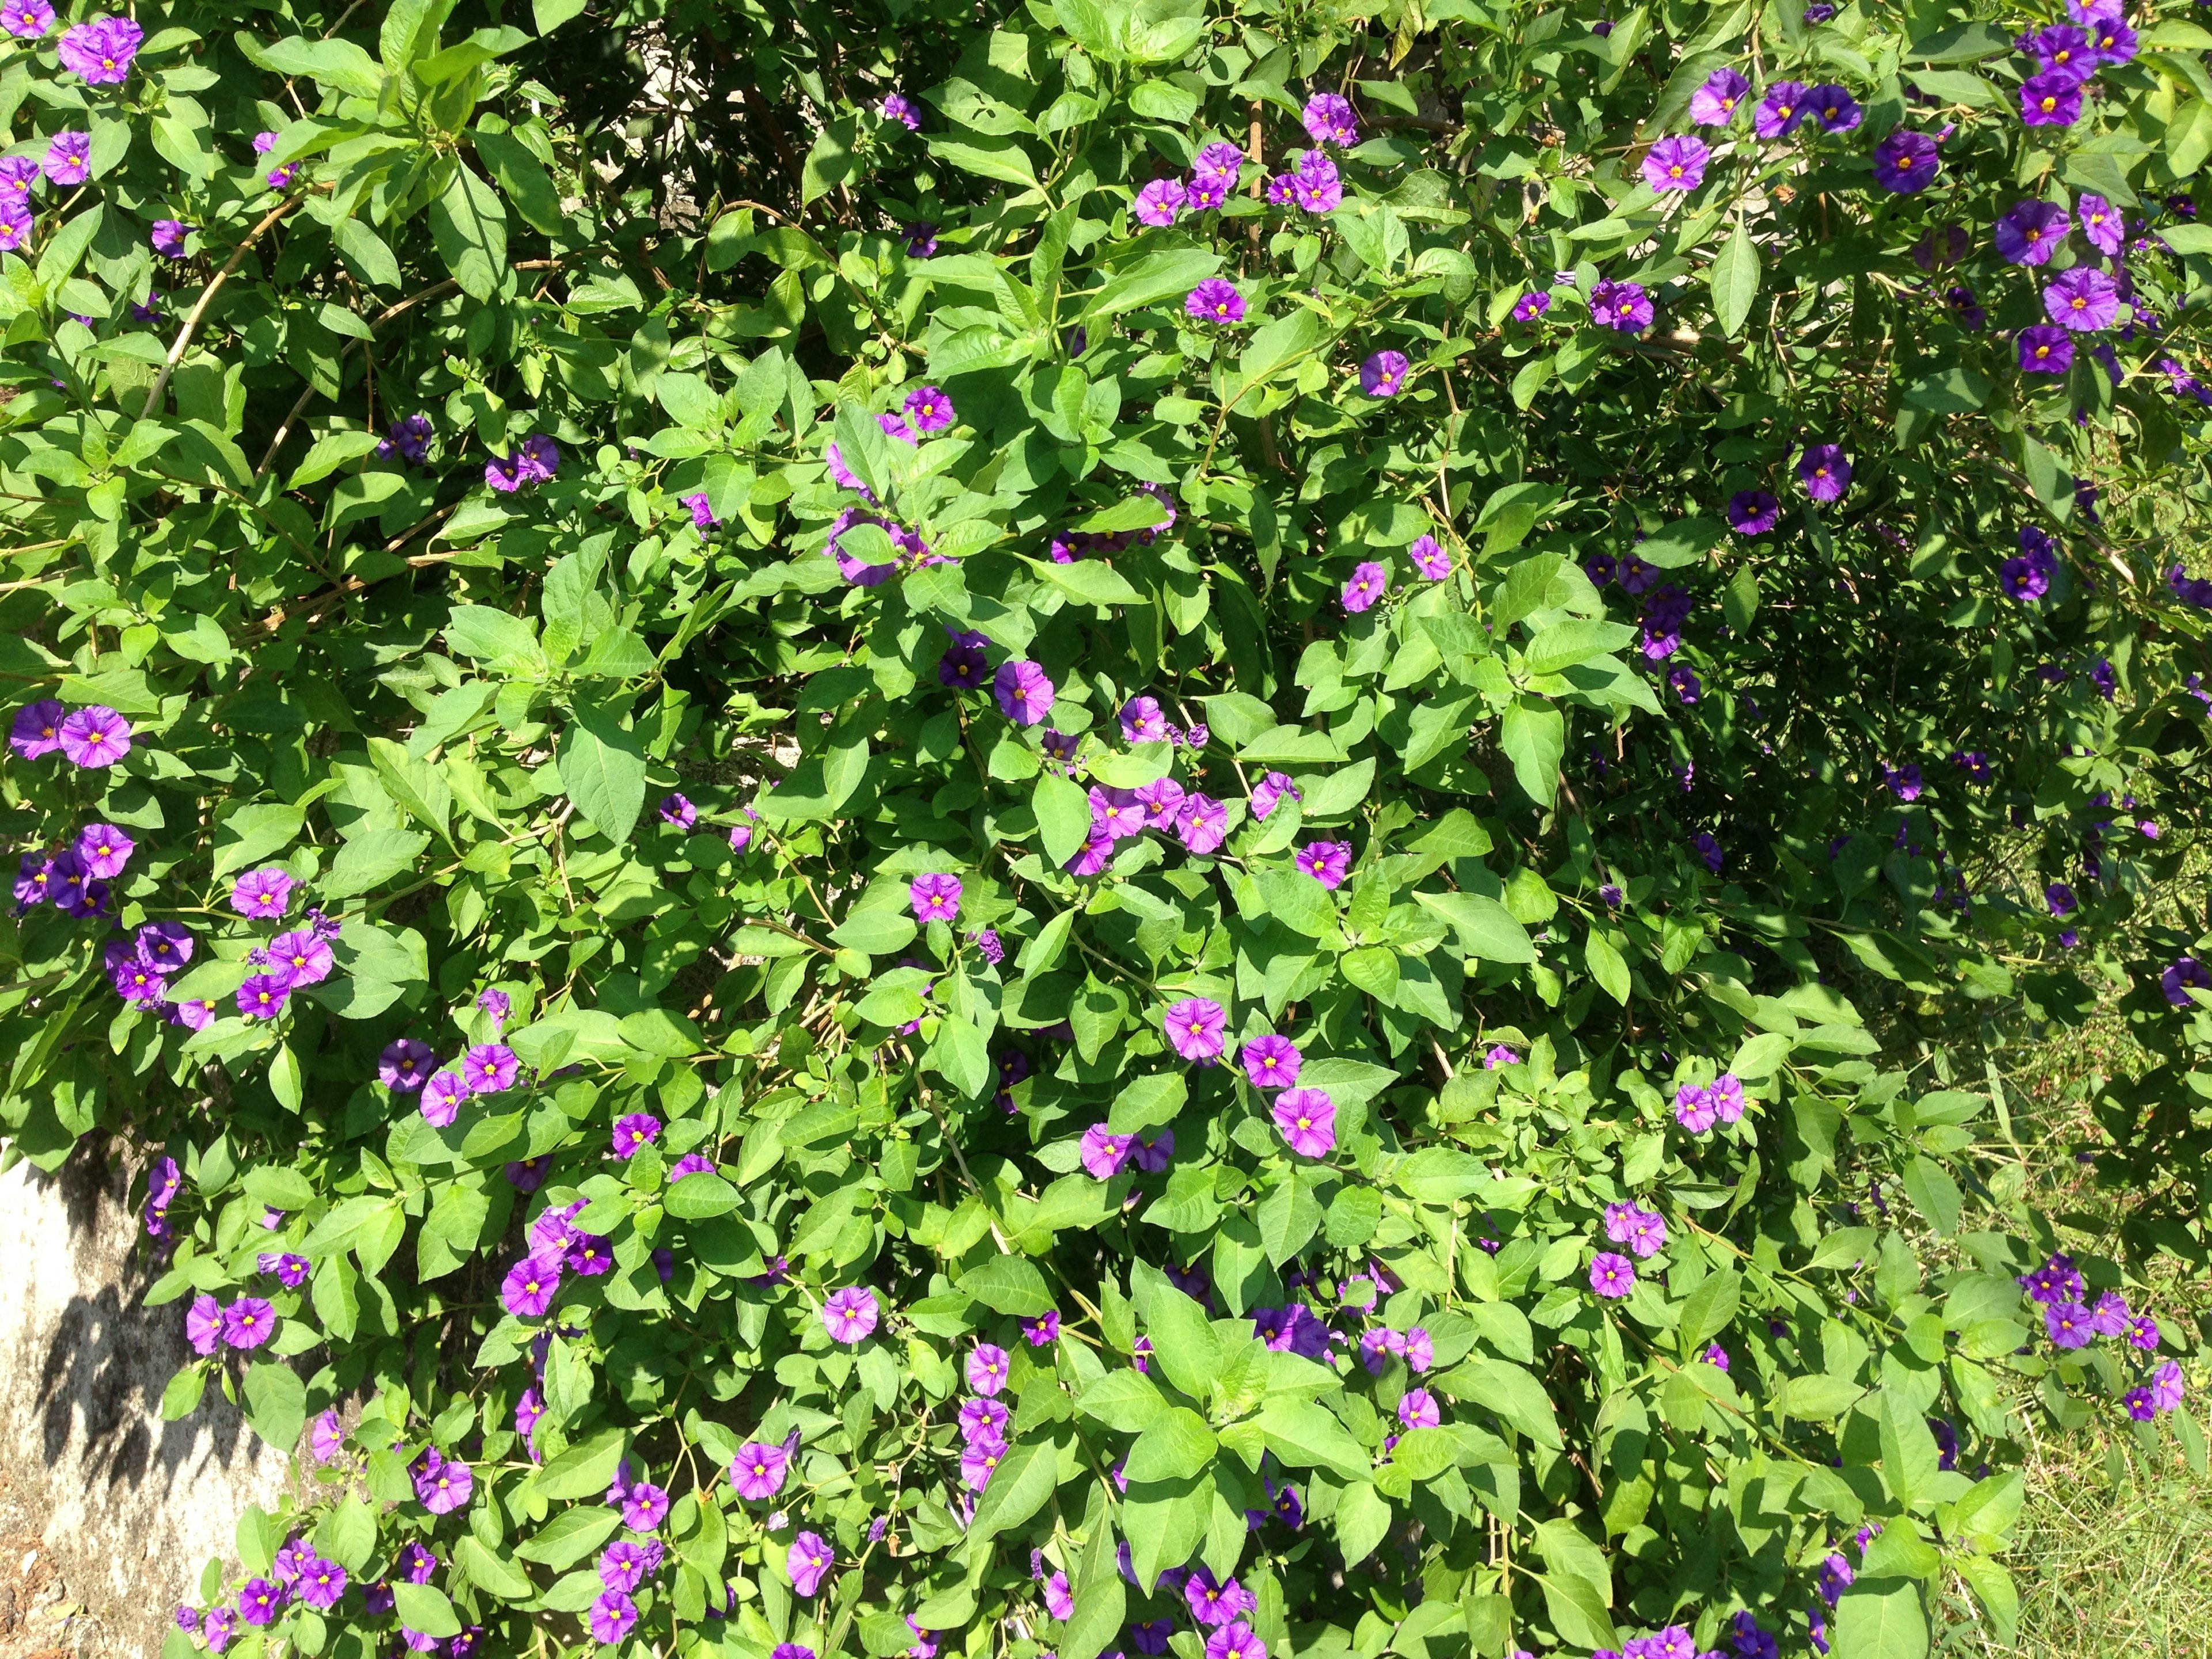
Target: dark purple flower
x,y
1715,103
2052,98
1383,374
2032,232
1835,109
2046,349
1905,162
1752,511
896,107
1780,109
1824,471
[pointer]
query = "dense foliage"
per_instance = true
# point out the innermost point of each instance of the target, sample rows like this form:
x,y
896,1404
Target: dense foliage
x,y
1104,826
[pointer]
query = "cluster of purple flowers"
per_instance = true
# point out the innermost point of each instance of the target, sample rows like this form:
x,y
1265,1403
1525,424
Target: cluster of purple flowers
x,y
1644,1232
535,461
1313,185
629,1562
100,51
2071,1322
1622,307
278,178
1213,176
246,1323
1196,819
407,440
1379,1347
2189,590
1306,1116
486,1069
2067,56
983,1418
1673,1642
75,881
554,1247
909,552
2027,575
92,737
1106,1154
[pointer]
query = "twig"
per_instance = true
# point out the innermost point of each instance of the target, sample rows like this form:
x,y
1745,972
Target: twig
x,y
207,298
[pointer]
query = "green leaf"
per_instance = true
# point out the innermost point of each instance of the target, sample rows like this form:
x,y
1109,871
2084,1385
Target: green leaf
x,y
522,178
1486,929
1145,1103
1605,965
1880,1618
1707,1310
1305,1435
1063,815
1093,581
1735,279
337,63
331,451
1933,1193
372,858
493,1572
469,224
1174,1446
585,1469
276,1403
1008,1284
1362,1520
1817,1397
1000,158
1125,1399
1509,1390
1168,275
602,770
1101,1602
424,1609
1018,1489
1185,1345
1577,1612
698,1196
829,162
1909,1456
1534,736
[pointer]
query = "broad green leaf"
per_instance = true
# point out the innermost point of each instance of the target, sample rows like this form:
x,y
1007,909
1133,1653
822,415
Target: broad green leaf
x,y
469,224
1734,281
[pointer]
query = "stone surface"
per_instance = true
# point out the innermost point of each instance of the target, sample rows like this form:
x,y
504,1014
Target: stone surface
x,y
107,1514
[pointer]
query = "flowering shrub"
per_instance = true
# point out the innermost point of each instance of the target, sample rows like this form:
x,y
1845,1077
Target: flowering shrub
x,y
1099,829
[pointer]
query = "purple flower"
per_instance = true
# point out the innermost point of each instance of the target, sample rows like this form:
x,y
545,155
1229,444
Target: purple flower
x,y
1905,162
896,107
1708,850
2102,223
1142,720
1202,824
2142,1333
95,737
1715,102
1834,108
262,996
678,811
1104,1153
1314,185
2052,98
1234,1640
1271,789
934,898
1498,1056
168,238
1330,119
248,1323
406,439
1430,558
203,1325
26,19
1271,1061
1530,307
644,1506
104,849
2167,1387
100,51
326,1437
2068,1324
850,1313
1024,694
633,1132
612,1616
2046,349
1195,1026
1752,511
1215,300
1780,109
441,1098
1612,1275
1419,1409
809,1563
622,1566
1685,684
1368,583
2186,974
987,1369
1824,471
1219,160
260,1601
920,242
1307,1118
1157,203
758,1470
2083,299
1676,164
2111,41
262,895
1382,375
1622,307
1904,781
69,158
1327,861
291,1271
928,410
2033,231
303,954
38,728
442,1483
1216,1602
